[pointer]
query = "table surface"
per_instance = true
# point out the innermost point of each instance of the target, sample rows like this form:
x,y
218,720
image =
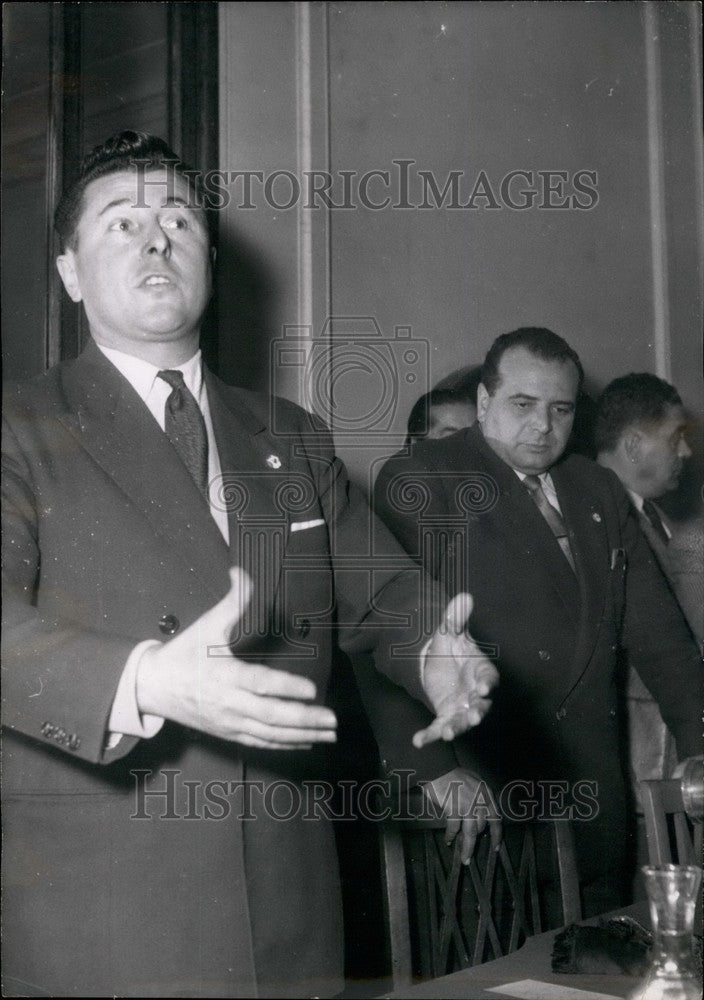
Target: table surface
x,y
532,961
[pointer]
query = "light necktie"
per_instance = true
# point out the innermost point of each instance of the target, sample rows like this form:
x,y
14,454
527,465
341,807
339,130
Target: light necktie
x,y
185,428
552,516
653,515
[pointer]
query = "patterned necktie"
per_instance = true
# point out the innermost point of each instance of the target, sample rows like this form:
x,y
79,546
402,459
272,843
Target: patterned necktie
x,y
653,515
185,428
554,519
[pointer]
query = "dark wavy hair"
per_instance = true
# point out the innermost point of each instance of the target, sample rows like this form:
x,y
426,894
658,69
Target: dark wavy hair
x,y
419,417
537,340
119,152
639,398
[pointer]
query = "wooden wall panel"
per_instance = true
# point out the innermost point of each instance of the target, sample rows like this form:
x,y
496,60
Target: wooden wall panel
x,y
74,74
26,182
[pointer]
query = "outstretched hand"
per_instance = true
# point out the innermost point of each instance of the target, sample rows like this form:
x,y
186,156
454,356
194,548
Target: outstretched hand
x,y
196,681
457,677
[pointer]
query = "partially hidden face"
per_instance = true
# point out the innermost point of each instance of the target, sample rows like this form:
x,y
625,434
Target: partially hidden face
x,y
141,264
448,418
661,452
528,419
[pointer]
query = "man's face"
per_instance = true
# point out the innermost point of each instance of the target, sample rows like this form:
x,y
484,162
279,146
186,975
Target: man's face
x,y
529,418
143,273
448,418
660,453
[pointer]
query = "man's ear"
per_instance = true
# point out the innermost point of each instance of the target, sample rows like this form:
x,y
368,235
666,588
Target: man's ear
x,y
632,445
482,400
66,266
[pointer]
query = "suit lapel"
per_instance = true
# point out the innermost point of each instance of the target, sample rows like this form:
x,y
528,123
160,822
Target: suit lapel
x,y
112,424
525,531
254,471
586,522
583,595
110,421
662,551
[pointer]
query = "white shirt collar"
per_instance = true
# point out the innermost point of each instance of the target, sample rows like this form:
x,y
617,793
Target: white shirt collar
x,y
637,500
547,485
142,374
544,477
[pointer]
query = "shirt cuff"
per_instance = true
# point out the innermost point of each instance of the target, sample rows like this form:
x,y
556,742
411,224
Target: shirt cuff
x,y
423,655
125,716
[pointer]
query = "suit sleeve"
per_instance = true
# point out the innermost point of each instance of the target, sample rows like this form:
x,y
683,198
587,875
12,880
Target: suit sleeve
x,y
394,717
401,518
385,604
658,639
58,681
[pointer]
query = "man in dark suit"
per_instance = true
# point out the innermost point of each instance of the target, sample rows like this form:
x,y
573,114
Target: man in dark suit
x,y
173,571
561,576
640,435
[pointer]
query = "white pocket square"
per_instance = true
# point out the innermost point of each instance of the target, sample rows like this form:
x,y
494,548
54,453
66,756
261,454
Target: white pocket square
x,y
304,525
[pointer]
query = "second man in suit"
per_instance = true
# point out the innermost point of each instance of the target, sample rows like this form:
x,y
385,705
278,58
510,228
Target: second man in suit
x,y
640,435
561,577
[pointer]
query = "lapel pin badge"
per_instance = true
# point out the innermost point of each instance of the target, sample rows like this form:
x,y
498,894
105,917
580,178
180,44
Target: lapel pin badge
x,y
596,517
273,461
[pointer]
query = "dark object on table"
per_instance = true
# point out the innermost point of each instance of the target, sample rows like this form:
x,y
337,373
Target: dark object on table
x,y
617,945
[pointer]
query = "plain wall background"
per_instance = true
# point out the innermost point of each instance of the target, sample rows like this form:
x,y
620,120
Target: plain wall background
x,y
352,87
469,87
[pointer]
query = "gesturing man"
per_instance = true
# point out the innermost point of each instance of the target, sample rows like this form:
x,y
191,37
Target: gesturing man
x,y
561,576
173,571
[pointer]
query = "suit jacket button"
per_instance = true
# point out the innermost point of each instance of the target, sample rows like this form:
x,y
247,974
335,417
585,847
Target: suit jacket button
x,y
303,627
544,654
169,624
560,713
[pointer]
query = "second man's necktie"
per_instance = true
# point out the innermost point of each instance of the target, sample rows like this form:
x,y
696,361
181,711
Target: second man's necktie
x,y
185,428
653,515
552,516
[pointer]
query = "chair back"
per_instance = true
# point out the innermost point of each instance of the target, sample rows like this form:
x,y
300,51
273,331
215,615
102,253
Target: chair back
x,y
442,916
672,836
